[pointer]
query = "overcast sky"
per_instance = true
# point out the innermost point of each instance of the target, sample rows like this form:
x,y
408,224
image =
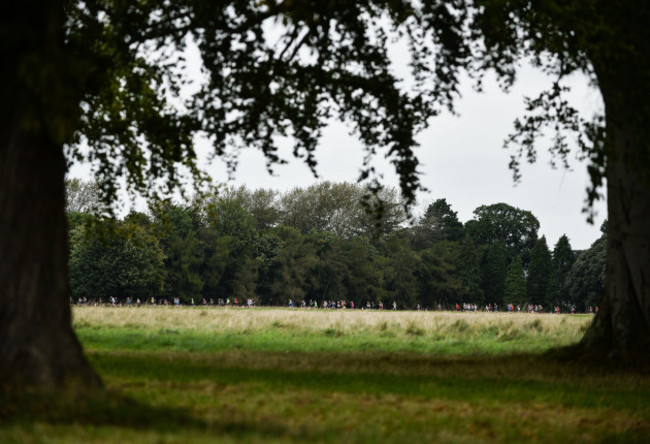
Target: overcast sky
x,y
461,160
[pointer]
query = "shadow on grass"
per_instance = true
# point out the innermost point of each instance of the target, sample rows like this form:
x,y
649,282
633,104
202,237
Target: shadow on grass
x,y
214,407
513,378
113,409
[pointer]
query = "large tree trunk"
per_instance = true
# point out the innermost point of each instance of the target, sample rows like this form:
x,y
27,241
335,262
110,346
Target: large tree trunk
x,y
37,344
38,348
622,326
621,329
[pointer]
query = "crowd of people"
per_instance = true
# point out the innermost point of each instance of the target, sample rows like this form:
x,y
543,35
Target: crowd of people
x,y
313,304
342,304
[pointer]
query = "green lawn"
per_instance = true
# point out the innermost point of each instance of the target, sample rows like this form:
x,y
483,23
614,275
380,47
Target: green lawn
x,y
196,375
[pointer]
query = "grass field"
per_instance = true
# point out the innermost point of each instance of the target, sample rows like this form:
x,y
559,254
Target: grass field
x,y
273,375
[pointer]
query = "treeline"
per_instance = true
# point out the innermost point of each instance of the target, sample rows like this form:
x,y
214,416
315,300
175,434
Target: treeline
x,y
320,243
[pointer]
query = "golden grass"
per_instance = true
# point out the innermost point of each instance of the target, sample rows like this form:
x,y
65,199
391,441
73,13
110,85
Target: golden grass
x,y
340,322
240,319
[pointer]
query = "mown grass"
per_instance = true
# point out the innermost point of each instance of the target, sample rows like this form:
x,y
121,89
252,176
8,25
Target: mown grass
x,y
336,377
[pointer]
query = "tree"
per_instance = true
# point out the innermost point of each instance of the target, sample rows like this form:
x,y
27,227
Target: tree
x,y
400,269
364,276
37,344
107,73
493,272
563,259
286,266
609,42
585,281
439,278
262,204
439,223
81,196
515,228
235,239
515,286
327,277
339,208
124,261
381,213
469,269
539,274
176,228
323,207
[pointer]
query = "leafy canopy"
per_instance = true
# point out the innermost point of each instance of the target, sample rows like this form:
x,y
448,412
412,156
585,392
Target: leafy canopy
x,y
285,68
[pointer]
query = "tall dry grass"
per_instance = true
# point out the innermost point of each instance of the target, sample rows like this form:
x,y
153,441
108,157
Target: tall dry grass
x,y
563,329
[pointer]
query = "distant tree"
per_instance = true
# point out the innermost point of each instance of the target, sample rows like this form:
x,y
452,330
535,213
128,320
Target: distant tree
x,y
400,271
364,277
123,261
176,228
439,223
493,272
540,270
563,259
82,196
267,248
262,204
286,266
584,283
230,257
515,285
344,209
382,212
329,274
469,270
515,228
139,218
439,278
203,271
322,207
75,219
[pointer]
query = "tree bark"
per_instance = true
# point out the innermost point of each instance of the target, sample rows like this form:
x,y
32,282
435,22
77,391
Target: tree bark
x,y
622,326
38,348
621,329
37,344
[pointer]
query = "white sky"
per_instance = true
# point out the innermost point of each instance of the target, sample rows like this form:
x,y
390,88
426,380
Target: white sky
x,y
461,159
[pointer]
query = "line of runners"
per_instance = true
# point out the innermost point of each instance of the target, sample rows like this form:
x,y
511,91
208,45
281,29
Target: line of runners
x,y
327,305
